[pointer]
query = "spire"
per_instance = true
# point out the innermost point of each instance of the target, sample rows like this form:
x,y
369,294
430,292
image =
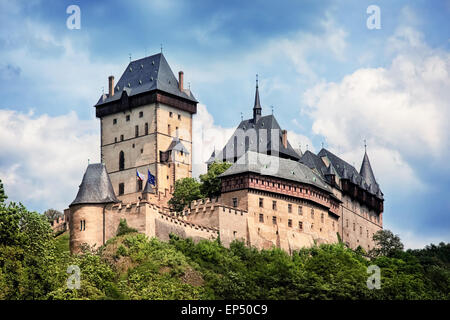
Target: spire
x,y
257,106
366,171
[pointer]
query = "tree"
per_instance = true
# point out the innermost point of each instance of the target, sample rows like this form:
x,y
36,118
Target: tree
x,y
3,196
124,228
53,214
186,190
211,185
386,244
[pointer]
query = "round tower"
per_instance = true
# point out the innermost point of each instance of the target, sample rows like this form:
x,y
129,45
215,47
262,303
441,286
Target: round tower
x,y
87,211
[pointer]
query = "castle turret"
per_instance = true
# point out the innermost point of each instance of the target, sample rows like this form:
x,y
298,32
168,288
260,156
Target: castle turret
x,y
87,211
257,106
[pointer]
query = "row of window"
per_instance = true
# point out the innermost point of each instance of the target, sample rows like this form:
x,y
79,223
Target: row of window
x,y
136,132
171,115
360,229
300,223
141,115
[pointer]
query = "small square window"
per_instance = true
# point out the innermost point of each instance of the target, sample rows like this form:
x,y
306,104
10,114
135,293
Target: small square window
x,y
300,225
261,217
290,223
121,188
261,202
121,137
114,121
289,208
274,205
274,220
141,114
115,139
170,114
235,202
300,210
128,117
179,117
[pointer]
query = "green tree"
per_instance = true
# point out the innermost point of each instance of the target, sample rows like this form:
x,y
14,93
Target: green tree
x,y
3,196
124,228
186,190
386,244
211,186
52,214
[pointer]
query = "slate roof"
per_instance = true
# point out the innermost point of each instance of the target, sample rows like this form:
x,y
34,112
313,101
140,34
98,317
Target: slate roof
x,y
177,145
313,162
96,186
148,188
262,130
276,167
367,173
147,74
347,171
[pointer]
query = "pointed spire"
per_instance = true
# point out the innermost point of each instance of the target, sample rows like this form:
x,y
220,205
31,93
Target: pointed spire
x,y
257,106
148,188
366,171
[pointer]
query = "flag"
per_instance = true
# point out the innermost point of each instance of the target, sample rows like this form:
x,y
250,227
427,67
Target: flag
x,y
151,178
139,175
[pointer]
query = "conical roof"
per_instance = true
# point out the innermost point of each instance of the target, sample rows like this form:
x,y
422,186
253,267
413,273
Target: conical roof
x,y
148,188
96,186
366,171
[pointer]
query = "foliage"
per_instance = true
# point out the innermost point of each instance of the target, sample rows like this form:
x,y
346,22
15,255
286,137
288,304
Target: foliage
x,y
53,214
186,190
34,264
3,196
123,228
211,186
386,244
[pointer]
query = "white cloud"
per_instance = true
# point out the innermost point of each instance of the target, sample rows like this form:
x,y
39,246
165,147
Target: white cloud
x,y
401,110
44,157
206,137
300,141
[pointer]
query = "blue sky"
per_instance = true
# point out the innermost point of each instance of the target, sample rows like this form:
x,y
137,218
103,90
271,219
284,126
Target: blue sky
x,y
329,78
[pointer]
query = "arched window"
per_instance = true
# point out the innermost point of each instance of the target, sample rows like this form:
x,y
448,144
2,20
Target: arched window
x,y
121,160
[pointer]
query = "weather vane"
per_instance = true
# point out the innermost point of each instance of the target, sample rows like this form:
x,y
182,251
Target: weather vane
x,y
129,55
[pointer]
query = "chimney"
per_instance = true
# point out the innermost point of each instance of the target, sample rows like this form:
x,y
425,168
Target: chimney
x,y
180,80
111,86
284,138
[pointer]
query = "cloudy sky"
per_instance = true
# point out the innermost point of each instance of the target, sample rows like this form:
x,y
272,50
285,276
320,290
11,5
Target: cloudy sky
x,y
329,78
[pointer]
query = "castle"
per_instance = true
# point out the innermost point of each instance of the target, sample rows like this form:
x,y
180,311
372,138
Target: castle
x,y
272,195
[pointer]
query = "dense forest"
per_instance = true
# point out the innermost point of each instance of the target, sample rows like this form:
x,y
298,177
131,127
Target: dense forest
x,y
34,265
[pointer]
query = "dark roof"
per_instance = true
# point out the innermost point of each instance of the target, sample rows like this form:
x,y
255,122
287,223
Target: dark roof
x,y
212,158
331,170
148,188
177,146
367,173
96,186
276,167
147,74
347,171
263,128
313,162
257,104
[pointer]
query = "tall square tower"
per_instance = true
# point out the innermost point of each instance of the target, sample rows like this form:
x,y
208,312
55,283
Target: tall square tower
x,y
146,124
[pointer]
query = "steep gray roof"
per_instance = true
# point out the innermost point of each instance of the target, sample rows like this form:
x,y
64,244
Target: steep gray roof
x,y
148,188
260,139
313,162
177,145
347,171
367,173
276,167
96,186
147,74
